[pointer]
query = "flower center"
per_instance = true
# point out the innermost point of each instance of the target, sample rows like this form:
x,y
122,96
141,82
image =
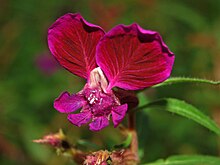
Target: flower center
x,y
100,103
94,97
100,100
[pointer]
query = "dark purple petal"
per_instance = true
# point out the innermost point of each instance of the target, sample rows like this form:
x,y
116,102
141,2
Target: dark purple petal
x,y
80,118
67,103
99,123
128,97
73,42
118,113
133,58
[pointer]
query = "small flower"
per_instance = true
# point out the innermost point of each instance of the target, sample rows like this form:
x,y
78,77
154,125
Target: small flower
x,y
126,57
46,64
97,158
104,157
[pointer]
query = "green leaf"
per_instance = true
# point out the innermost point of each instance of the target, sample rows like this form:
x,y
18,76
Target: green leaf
x,y
188,160
183,109
126,143
175,80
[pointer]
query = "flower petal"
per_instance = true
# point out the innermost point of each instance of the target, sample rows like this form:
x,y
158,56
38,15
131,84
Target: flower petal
x,y
67,103
128,97
133,58
118,113
73,42
99,123
80,118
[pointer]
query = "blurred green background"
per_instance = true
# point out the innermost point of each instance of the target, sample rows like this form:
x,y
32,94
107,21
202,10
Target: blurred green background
x,y
30,79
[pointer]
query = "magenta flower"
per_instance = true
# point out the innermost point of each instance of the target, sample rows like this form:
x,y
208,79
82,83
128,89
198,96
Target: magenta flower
x,y
127,57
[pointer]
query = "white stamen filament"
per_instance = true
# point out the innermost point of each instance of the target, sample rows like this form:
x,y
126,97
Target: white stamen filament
x,y
92,101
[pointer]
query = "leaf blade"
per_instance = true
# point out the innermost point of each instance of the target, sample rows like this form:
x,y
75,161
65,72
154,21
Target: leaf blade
x,y
184,109
188,160
176,80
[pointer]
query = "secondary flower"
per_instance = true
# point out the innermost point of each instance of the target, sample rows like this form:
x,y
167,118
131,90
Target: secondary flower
x,y
126,57
46,64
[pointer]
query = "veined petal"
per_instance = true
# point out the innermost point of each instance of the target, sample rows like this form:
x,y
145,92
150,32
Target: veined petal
x,y
133,58
67,103
72,41
99,123
80,118
118,113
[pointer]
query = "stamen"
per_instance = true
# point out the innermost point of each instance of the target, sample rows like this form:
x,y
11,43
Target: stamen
x,y
92,101
100,101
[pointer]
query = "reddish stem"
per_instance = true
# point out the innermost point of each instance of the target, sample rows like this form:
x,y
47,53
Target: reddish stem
x,y
132,130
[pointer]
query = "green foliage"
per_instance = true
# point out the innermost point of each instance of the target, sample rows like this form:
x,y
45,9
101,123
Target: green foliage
x,y
125,143
188,160
183,109
176,80
183,13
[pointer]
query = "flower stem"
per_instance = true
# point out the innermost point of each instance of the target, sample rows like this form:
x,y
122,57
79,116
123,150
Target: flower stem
x,y
131,120
132,130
